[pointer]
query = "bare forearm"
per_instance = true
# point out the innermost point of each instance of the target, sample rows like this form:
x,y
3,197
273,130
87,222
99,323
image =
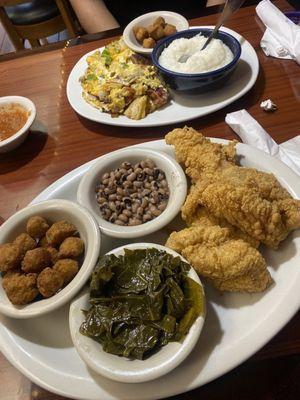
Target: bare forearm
x,y
94,15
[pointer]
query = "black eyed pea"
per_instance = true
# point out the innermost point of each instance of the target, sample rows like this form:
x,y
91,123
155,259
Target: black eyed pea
x,y
122,217
119,222
131,177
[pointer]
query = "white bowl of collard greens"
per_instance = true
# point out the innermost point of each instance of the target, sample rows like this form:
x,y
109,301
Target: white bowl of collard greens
x,y
140,354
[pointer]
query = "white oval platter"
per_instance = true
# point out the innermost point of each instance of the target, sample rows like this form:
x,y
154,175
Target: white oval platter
x,y
237,325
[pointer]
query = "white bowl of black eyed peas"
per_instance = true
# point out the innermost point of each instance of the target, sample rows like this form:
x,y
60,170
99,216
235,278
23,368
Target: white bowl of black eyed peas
x,y
133,192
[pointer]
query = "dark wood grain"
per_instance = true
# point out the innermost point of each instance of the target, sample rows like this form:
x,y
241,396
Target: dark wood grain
x,y
62,140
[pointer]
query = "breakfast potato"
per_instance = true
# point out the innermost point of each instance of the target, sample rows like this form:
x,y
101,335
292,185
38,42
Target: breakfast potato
x,y
67,268
25,243
72,247
59,231
20,288
10,256
36,260
49,282
37,226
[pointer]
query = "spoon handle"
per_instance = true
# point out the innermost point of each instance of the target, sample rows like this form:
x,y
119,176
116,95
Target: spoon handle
x,y
229,8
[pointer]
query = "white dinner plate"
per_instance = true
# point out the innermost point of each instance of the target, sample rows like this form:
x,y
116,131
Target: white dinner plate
x,y
236,326
182,107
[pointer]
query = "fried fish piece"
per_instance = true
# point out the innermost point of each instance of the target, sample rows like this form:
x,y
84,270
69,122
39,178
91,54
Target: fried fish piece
x,y
229,264
230,259
198,154
202,217
251,200
261,219
254,281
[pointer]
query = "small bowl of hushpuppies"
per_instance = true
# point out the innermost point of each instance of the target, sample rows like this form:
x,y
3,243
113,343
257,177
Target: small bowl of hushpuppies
x,y
142,34
47,253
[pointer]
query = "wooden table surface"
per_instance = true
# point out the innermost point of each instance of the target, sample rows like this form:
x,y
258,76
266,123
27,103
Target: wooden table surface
x,y
62,141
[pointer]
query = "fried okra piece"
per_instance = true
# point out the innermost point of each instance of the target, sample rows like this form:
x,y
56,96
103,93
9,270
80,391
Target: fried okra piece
x,y
49,282
43,242
140,33
156,32
10,256
149,43
160,21
169,29
59,231
67,269
20,288
37,226
72,247
36,260
25,243
54,254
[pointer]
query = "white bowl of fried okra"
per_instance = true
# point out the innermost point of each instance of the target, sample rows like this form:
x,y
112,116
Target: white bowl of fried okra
x,y
47,253
142,34
133,192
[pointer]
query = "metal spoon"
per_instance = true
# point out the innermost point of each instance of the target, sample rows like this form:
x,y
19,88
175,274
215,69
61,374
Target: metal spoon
x,y
229,8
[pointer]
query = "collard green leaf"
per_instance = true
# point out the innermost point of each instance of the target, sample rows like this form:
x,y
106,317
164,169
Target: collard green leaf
x,y
140,302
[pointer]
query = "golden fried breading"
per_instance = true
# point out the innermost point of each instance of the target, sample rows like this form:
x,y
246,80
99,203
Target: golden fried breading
x,y
59,231
290,209
208,235
241,207
251,200
49,282
36,226
229,259
198,154
67,268
10,256
228,263
36,260
43,242
54,253
72,247
25,243
20,288
265,183
202,217
254,281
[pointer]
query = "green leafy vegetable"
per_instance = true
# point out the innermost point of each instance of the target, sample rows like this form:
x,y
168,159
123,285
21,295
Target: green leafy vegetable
x,y
140,302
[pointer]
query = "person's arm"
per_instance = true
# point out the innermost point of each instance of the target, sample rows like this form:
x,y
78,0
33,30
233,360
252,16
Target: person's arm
x,y
93,15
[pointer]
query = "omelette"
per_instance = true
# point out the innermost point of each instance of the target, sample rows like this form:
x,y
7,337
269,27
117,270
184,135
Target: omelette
x,y
120,82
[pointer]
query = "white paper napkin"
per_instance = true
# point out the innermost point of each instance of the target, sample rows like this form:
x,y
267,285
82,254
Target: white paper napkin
x,y
282,37
249,130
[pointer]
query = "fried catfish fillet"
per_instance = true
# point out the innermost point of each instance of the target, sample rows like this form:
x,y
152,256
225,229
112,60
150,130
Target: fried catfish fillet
x,y
251,200
229,264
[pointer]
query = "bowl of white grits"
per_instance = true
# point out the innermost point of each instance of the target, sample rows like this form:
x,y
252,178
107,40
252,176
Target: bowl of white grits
x,y
187,68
